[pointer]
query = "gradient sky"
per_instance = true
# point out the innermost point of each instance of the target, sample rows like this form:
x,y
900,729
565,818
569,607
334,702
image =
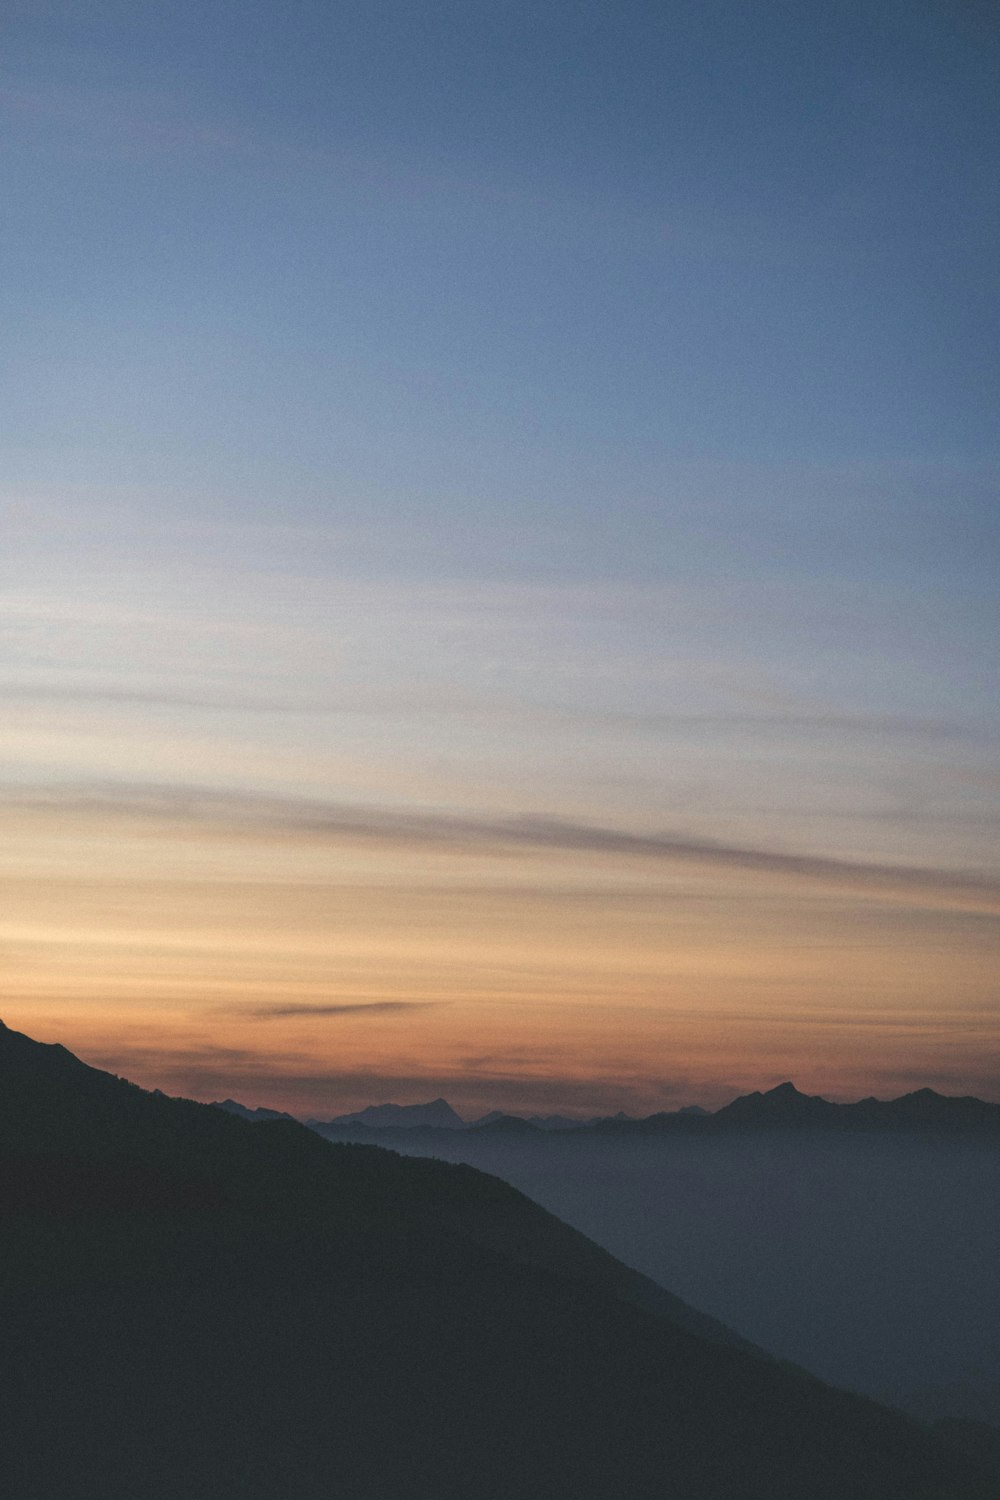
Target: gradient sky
x,y
501,531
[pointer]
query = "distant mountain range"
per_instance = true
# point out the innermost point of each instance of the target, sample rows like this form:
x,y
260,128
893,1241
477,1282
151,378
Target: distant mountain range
x,y
197,1306
438,1114
781,1107
767,1211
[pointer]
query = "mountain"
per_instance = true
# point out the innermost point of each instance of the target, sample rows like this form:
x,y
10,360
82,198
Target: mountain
x,y
922,1110
865,1253
785,1107
198,1306
926,1109
438,1114
556,1122
233,1107
781,1105
487,1119
541,1122
501,1124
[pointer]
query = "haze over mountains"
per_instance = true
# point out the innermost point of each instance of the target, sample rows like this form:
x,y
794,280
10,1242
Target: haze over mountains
x,y
860,1240
783,1105
438,1114
196,1305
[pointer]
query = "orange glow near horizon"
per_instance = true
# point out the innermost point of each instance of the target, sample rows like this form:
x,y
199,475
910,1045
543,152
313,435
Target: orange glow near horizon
x,y
322,973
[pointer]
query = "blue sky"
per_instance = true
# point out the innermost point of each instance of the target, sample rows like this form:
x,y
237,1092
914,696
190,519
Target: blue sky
x,y
509,410
455,257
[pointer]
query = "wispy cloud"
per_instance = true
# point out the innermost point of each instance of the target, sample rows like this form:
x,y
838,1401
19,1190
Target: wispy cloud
x,y
369,1007
460,832
431,700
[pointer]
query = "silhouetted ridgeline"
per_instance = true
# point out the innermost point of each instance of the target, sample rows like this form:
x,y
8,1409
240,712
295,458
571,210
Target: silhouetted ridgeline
x,y
860,1241
784,1106
194,1306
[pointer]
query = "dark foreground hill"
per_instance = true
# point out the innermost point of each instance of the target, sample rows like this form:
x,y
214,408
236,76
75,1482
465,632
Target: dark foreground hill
x,y
194,1306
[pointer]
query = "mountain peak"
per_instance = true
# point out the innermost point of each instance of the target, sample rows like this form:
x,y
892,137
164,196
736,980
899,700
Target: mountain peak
x,y
438,1113
782,1102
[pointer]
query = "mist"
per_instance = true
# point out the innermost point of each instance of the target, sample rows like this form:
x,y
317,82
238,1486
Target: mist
x,y
869,1259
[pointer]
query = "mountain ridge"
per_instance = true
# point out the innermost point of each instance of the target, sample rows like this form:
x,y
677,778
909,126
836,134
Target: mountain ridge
x,y
437,1113
781,1107
224,1321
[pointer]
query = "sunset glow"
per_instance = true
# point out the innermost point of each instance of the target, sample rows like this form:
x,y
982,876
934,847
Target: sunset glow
x,y
498,586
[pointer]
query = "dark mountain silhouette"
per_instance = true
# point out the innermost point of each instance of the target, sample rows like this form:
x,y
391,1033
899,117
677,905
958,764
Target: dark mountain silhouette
x,y
781,1107
923,1109
785,1107
487,1119
556,1122
233,1107
542,1122
193,1305
506,1125
438,1114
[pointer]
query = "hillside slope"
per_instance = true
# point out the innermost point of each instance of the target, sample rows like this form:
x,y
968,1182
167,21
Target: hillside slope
x,y
193,1305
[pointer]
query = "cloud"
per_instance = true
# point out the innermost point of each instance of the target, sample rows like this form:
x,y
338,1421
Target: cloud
x,y
432,700
276,1012
461,832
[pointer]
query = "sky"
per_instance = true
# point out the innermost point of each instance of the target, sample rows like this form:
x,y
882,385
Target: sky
x,y
499,505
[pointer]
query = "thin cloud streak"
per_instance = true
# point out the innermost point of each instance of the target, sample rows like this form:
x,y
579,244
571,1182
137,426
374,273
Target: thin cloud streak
x,y
432,703
460,832
371,1007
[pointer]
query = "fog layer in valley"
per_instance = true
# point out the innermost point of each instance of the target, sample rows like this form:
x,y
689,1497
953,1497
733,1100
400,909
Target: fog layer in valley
x,y
870,1259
